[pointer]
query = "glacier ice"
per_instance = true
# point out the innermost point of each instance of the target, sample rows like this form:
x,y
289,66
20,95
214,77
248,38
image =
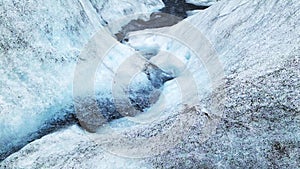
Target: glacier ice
x,y
39,46
258,44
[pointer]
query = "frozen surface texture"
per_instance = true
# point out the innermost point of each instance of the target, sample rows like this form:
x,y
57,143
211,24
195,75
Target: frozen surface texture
x,y
39,46
257,42
79,152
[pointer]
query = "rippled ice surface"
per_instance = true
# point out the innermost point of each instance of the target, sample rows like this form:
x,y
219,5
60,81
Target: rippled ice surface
x,y
39,46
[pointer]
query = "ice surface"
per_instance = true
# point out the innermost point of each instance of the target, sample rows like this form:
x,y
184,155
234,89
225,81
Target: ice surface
x,y
258,44
173,57
39,46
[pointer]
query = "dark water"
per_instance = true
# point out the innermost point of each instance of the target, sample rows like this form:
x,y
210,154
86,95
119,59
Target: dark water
x,y
179,8
173,12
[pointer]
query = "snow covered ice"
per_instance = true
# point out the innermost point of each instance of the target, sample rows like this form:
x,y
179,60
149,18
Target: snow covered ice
x,y
40,43
257,43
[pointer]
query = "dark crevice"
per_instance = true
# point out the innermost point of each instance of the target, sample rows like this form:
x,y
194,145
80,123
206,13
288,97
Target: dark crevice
x,y
145,96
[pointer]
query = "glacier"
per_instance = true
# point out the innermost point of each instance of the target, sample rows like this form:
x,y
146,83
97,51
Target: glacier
x,y
256,41
40,44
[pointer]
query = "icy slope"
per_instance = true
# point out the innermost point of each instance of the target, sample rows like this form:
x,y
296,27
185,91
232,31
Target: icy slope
x,y
39,46
80,152
258,44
